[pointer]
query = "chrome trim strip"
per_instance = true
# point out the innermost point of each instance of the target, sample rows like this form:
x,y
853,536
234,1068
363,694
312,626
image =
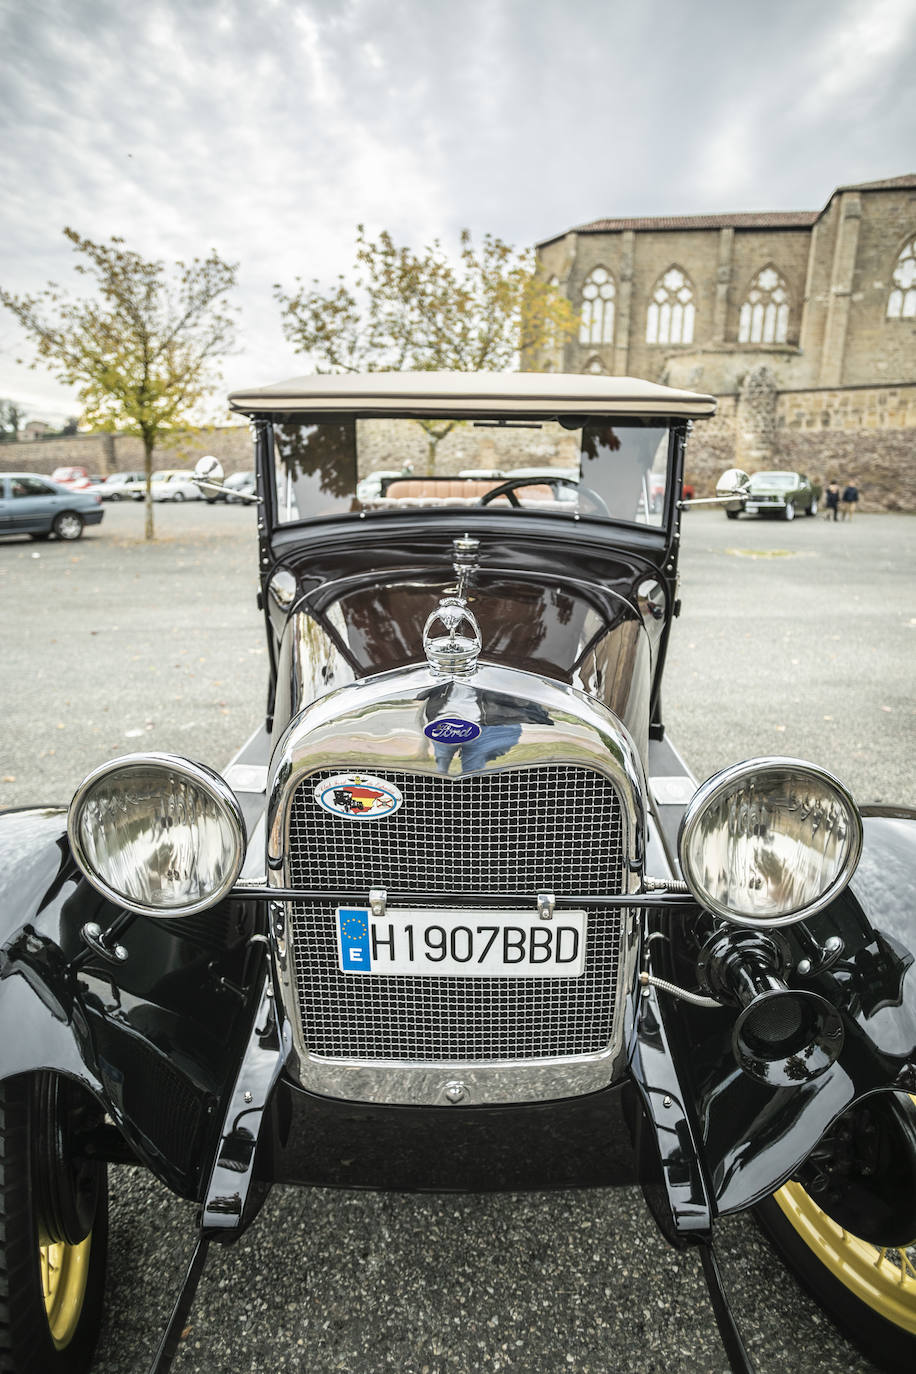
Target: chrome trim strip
x,y
424,1085
378,723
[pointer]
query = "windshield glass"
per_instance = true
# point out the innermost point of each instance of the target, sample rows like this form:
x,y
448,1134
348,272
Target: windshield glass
x,y
776,479
590,468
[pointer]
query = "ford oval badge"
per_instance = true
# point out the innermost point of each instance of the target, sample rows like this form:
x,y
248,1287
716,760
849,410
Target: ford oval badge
x,y
358,797
451,730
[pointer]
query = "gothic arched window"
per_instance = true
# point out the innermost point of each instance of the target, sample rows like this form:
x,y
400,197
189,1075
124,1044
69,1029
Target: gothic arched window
x,y
597,321
764,315
901,303
672,309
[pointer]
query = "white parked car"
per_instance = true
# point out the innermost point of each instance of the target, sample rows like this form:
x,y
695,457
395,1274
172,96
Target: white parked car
x,y
175,486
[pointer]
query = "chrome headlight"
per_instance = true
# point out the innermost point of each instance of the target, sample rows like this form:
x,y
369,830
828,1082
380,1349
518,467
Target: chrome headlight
x,y
157,834
769,842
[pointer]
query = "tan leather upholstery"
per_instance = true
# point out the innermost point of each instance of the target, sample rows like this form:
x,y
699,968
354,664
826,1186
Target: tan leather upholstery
x,y
468,489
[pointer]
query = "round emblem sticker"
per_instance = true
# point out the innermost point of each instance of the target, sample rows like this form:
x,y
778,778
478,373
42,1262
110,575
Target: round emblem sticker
x,y
451,730
358,797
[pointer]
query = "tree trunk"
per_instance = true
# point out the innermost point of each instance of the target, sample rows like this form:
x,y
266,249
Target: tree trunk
x,y
149,532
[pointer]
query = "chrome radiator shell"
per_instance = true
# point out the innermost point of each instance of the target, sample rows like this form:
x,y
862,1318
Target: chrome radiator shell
x,y
376,726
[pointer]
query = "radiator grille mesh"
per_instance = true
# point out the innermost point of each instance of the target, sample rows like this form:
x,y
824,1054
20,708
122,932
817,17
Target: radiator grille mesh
x,y
555,829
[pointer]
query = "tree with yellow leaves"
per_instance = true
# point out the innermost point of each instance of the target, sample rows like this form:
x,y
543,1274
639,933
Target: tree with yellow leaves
x,y
142,349
489,311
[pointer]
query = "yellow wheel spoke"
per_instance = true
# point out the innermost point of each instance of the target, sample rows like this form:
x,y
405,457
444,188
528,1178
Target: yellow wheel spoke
x,y
884,1278
64,1273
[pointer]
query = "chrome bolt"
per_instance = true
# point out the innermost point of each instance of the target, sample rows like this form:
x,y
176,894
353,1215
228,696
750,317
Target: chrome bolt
x,y
666,1101
456,1091
247,1095
803,967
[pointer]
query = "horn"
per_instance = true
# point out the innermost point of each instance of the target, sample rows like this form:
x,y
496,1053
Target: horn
x,y
783,1036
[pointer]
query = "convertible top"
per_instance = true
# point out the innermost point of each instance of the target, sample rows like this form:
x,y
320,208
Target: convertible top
x,y
528,393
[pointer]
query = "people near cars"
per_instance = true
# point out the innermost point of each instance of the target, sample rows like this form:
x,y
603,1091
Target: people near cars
x,y
850,499
832,499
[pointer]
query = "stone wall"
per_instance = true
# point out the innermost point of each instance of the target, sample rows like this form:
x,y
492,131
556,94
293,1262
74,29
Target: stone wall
x,y
866,434
107,453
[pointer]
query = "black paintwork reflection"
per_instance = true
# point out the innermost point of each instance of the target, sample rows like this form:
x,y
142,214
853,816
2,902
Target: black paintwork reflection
x,y
157,1038
753,1135
579,1142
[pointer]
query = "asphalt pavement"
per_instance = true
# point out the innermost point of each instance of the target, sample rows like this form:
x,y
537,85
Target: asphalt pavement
x,y
794,639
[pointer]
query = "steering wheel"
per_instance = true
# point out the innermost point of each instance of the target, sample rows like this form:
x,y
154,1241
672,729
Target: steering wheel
x,y
594,506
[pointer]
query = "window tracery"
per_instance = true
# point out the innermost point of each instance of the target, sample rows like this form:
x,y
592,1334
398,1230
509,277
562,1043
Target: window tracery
x,y
901,303
764,315
596,324
672,309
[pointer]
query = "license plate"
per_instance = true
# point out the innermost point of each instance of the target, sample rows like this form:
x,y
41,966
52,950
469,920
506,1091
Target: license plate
x,y
441,943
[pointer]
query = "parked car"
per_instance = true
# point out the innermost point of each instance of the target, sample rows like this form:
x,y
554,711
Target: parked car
x,y
176,485
458,917
166,484
77,479
785,494
235,488
118,486
36,505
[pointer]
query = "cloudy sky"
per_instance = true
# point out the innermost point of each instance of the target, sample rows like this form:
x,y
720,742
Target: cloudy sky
x,y
268,130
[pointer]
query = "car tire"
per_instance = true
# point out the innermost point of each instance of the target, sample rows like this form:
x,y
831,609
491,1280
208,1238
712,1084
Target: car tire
x,y
788,511
812,509
114,496
53,1229
868,1290
732,514
68,525
179,496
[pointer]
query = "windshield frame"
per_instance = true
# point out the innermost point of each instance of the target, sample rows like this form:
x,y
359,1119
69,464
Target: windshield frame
x,y
519,518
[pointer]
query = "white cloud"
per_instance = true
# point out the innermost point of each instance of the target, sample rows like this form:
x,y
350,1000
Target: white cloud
x,y
270,131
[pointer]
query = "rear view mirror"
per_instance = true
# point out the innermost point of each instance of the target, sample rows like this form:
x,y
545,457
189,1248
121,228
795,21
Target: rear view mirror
x,y
208,471
734,482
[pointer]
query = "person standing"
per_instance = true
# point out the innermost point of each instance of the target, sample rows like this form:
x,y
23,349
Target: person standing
x,y
850,498
832,499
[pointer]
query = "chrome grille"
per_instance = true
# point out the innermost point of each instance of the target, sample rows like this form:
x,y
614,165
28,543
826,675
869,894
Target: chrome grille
x,y
554,828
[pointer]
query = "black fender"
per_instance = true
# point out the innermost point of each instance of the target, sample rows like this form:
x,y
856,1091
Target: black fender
x,y
752,1136
158,1038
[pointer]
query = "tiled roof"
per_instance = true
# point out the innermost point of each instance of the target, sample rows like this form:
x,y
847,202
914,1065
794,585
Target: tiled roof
x,y
768,219
890,184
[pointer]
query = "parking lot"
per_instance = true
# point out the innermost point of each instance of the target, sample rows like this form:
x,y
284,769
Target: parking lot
x,y
794,639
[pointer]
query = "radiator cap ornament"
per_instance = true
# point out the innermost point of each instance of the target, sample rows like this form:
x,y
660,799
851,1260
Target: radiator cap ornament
x,y
455,653
358,797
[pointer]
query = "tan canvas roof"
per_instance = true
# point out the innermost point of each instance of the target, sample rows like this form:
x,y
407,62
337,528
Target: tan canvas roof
x,y
529,393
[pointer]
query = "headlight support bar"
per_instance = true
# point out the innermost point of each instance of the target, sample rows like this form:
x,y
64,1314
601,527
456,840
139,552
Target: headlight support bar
x,y
468,899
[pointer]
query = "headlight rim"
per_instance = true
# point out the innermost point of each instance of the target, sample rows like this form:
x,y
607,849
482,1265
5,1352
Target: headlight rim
x,y
203,776
720,782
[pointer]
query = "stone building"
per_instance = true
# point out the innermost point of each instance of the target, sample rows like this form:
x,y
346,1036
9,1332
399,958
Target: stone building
x,y
801,323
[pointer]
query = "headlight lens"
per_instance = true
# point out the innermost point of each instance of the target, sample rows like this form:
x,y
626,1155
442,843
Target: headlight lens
x,y
157,834
770,841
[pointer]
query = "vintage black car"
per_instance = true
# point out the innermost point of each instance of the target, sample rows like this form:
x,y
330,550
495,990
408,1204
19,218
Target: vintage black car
x,y
458,916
